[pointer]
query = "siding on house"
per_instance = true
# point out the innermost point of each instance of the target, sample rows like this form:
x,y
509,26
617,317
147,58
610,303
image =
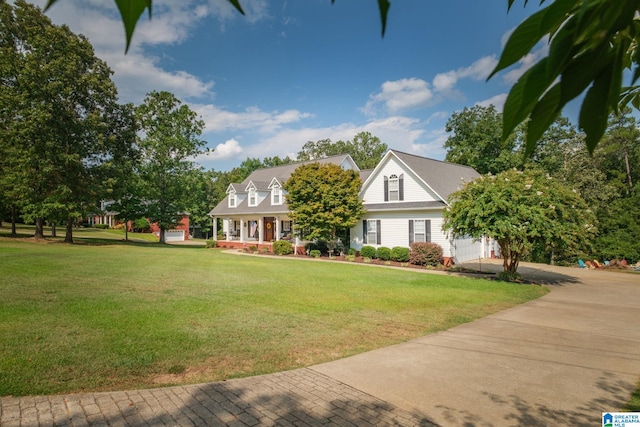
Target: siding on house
x,y
413,190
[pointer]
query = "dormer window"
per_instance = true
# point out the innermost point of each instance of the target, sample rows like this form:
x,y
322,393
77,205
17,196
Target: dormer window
x,y
253,197
393,188
232,200
276,195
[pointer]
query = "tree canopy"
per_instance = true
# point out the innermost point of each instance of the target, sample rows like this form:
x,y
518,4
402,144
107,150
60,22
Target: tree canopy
x,y
323,200
62,131
520,209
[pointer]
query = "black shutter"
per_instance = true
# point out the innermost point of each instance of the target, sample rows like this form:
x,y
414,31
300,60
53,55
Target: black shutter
x,y
427,230
410,231
401,187
364,231
378,237
386,188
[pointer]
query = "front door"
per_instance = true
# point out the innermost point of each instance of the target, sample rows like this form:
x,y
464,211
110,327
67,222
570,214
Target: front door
x,y
269,229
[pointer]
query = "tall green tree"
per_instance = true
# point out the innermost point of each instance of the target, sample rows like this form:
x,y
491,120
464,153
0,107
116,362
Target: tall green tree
x,y
518,210
476,140
56,105
168,143
323,200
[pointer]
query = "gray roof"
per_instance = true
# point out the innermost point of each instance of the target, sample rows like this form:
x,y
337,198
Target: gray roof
x,y
283,172
434,204
261,178
443,177
364,174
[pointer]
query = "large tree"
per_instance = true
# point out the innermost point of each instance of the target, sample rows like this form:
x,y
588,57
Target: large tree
x,y
323,200
168,143
57,114
520,209
476,140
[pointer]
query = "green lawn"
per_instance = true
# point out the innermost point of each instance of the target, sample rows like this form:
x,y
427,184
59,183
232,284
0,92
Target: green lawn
x,y
112,316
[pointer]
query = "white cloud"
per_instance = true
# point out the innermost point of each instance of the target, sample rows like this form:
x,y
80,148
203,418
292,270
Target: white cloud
x,y
479,70
216,119
400,95
226,150
497,101
411,93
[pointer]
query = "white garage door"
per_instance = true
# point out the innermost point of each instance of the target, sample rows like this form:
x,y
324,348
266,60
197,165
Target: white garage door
x,y
174,235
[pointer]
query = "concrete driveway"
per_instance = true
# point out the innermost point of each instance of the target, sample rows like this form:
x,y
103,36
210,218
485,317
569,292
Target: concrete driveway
x,y
560,360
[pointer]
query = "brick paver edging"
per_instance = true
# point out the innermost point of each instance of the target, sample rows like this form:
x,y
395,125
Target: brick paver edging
x,y
301,397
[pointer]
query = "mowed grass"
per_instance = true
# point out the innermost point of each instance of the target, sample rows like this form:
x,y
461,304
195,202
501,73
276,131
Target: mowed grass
x,y
113,316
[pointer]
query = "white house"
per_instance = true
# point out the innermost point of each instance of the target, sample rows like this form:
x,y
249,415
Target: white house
x,y
404,197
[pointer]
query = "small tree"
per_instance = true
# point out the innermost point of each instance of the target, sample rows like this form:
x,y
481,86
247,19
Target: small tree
x,y
518,209
323,199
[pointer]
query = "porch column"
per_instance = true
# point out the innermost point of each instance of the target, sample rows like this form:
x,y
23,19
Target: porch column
x,y
277,227
215,228
228,237
261,230
242,229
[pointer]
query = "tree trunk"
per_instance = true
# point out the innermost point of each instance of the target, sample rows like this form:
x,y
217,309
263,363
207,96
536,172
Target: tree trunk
x,y
126,229
14,219
626,160
68,237
39,232
162,235
53,230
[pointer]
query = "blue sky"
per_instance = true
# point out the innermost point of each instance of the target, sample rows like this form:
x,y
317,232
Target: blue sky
x,y
293,71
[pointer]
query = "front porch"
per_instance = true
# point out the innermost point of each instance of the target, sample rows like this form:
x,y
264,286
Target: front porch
x,y
260,231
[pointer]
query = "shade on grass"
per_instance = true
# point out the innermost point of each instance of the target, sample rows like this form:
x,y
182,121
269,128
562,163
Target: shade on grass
x,y
105,317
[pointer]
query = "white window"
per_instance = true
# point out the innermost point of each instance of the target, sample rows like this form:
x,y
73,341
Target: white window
x,y
276,195
394,188
419,230
253,197
232,200
371,231
286,226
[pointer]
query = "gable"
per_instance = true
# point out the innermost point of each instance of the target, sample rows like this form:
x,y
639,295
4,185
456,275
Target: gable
x,y
412,189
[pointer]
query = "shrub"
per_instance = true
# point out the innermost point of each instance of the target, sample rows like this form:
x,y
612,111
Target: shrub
x,y
264,250
400,254
351,258
351,252
141,225
252,248
282,247
101,226
310,246
321,245
314,253
368,252
384,253
212,243
425,253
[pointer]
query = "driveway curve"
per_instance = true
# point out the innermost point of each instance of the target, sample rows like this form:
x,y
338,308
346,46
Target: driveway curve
x,y
562,359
